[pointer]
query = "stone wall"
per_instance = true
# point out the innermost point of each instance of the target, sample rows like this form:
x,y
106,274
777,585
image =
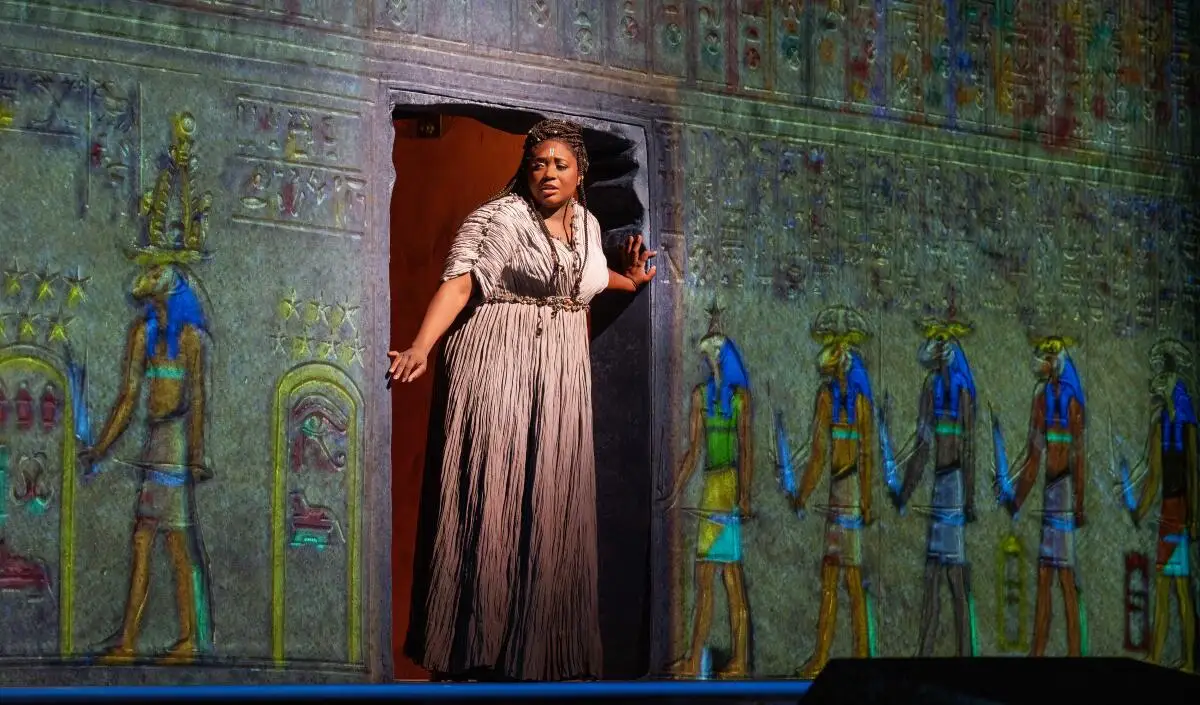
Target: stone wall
x,y
1031,168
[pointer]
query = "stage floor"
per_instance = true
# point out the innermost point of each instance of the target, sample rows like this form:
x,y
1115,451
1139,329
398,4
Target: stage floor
x,y
776,690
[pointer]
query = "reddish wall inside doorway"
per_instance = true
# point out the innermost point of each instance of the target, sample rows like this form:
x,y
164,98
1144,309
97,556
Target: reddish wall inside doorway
x,y
438,183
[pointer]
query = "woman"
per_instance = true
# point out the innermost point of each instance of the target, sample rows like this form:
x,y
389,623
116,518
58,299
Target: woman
x,y
512,575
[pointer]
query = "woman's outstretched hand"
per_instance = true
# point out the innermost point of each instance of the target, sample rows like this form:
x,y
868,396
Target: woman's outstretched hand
x,y
408,365
634,259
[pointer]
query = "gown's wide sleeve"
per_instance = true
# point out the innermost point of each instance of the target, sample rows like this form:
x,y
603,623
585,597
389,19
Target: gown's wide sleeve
x,y
483,247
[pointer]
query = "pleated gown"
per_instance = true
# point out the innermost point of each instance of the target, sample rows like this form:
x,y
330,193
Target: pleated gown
x,y
513,568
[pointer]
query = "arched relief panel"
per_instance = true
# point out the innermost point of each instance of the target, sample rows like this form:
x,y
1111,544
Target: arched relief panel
x,y
315,510
37,524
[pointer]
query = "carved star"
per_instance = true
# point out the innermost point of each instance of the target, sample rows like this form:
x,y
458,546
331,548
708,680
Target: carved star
x,y
280,340
301,346
288,306
349,314
314,311
714,317
57,328
327,348
45,285
345,353
356,355
75,293
12,279
336,317
27,327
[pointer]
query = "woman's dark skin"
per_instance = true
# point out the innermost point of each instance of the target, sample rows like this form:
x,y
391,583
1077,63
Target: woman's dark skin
x,y
553,180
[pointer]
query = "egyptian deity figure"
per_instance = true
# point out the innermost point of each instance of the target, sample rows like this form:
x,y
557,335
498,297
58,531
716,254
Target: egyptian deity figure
x,y
165,353
945,429
720,429
1056,429
1172,479
843,444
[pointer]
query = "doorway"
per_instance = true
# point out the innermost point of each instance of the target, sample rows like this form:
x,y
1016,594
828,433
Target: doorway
x,y
449,159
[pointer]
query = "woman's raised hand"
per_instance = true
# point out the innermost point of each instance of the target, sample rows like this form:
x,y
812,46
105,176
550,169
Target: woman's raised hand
x,y
408,365
634,259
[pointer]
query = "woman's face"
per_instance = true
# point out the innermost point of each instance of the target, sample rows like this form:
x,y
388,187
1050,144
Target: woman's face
x,y
553,174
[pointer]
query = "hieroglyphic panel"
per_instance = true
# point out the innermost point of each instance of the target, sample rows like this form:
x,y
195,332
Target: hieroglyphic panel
x,y
791,57
710,47
37,529
1100,72
1134,72
848,170
538,27
827,52
734,190
878,56
763,232
397,15
891,226
879,188
1181,80
701,211
1171,275
669,204
1145,263
628,24
938,88
788,251
670,36
583,23
297,168
96,116
819,213
114,144
1015,80
755,65
976,104
906,57
1189,254
315,511
860,33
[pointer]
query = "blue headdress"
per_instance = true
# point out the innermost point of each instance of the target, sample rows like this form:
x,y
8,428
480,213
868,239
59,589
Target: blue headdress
x,y
1058,402
183,309
732,373
858,383
960,378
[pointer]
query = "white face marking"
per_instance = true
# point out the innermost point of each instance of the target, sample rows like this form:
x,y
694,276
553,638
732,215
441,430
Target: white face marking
x,y
551,152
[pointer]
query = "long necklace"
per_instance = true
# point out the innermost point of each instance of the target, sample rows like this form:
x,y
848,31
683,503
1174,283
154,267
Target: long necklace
x,y
576,259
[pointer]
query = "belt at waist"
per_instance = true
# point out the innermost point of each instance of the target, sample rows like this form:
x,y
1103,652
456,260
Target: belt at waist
x,y
555,303
1058,436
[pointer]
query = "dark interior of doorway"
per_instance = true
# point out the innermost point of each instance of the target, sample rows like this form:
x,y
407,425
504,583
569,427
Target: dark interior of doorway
x,y
449,159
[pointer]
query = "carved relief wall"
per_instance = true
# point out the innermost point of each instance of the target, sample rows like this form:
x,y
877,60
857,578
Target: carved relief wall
x,y
910,238
172,255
